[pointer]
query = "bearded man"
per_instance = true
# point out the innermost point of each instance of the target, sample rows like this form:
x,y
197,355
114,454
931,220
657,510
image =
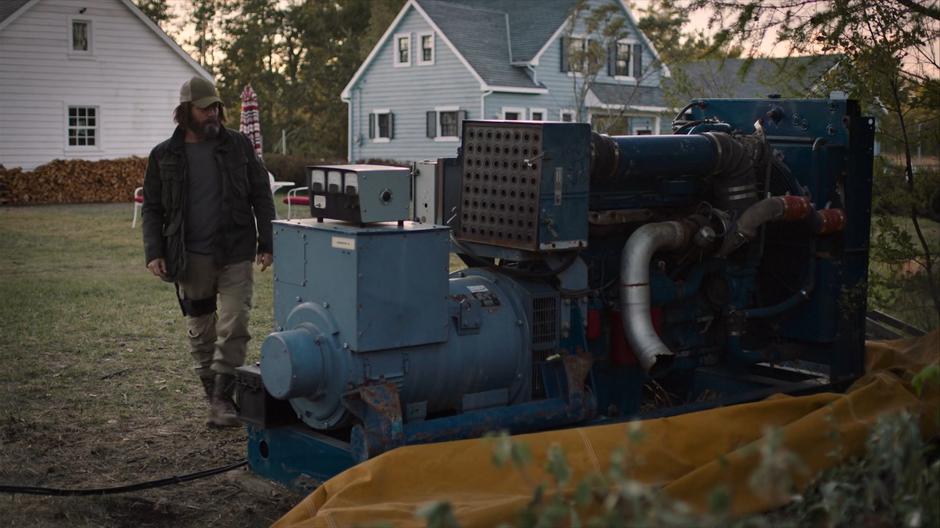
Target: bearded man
x,y
206,216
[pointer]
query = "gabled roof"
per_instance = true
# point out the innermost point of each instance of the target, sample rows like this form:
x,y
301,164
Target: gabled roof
x,y
531,22
742,78
482,37
10,10
495,39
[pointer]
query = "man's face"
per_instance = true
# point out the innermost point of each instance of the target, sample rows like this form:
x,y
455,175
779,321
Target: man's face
x,y
204,122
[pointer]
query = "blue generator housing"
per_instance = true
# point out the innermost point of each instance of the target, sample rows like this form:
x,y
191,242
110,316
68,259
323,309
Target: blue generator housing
x,y
604,278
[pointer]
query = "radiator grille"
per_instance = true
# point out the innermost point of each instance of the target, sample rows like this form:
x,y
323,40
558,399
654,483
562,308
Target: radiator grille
x,y
544,320
499,195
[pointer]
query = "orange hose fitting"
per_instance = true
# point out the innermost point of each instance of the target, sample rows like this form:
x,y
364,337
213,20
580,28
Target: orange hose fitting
x,y
796,208
830,221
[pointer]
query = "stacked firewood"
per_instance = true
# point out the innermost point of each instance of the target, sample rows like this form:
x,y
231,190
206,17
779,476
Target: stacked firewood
x,y
73,181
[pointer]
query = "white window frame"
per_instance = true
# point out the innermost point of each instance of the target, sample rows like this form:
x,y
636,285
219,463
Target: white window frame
x,y
543,111
378,138
584,39
630,66
563,111
514,109
90,52
397,52
438,136
97,128
420,50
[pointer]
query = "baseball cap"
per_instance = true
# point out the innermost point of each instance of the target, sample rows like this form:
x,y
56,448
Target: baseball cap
x,y
199,92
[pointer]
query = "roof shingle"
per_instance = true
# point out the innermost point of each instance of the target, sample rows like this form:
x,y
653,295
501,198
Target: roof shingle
x,y
8,7
740,78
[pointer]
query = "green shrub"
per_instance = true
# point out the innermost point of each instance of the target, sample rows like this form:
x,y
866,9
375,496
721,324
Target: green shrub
x,y
894,484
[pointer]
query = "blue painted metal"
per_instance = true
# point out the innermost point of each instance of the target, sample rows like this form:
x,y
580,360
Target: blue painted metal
x,y
296,456
377,345
381,427
346,270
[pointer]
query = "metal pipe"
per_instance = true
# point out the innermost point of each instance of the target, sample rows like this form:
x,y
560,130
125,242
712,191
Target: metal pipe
x,y
635,260
787,208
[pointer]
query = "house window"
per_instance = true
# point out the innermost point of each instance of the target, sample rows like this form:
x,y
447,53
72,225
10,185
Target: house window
x,y
580,54
566,116
448,123
403,49
81,37
537,114
83,126
426,55
444,123
381,126
622,61
513,114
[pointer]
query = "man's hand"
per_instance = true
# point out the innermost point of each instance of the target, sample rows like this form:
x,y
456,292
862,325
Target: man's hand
x,y
157,266
265,260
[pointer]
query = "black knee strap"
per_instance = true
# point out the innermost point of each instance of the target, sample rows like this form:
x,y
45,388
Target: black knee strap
x,y
195,307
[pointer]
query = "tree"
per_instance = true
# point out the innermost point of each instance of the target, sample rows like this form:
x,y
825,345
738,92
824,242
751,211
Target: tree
x,y
889,64
597,28
206,30
590,44
663,22
157,11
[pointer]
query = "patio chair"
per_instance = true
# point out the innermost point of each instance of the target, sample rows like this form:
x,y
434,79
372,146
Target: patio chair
x,y
138,204
275,185
295,198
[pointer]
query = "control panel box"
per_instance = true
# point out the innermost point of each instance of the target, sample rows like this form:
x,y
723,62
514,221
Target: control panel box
x,y
360,194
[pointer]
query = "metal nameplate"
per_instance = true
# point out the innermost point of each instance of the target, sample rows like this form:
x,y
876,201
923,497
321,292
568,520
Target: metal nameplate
x,y
344,243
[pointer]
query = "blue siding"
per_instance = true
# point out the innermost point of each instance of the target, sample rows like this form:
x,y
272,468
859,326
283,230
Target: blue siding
x,y
409,92
550,61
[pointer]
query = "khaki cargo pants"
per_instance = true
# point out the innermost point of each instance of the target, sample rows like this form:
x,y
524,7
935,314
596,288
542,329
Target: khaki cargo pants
x,y
218,341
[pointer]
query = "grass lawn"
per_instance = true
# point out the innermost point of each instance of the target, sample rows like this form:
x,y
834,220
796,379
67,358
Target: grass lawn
x,y
98,388
906,296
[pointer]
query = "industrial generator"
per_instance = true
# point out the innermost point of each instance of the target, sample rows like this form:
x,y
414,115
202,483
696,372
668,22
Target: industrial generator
x,y
600,278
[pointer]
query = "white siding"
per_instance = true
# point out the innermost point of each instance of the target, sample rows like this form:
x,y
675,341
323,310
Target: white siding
x,y
132,77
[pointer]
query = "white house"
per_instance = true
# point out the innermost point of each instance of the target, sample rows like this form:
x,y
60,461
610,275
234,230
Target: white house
x,y
88,79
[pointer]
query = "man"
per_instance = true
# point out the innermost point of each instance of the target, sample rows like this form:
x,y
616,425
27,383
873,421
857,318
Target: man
x,y
206,215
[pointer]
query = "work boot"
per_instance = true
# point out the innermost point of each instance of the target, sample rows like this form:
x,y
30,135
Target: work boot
x,y
207,385
222,408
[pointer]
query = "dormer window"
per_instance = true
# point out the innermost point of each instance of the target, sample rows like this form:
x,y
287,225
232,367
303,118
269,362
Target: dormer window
x,y
426,52
626,61
403,49
80,42
622,60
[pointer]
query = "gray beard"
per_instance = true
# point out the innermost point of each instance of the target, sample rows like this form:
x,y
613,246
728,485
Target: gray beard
x,y
208,130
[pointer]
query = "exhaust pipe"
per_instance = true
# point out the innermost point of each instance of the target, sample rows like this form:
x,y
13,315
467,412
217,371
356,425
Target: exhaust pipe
x,y
653,355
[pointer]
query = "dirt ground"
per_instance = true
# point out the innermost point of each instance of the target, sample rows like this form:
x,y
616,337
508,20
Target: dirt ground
x,y
68,455
97,389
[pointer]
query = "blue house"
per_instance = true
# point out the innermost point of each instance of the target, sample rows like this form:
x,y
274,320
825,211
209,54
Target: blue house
x,y
443,61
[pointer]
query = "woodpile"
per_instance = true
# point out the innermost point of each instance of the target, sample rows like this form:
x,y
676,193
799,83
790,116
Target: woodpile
x,y
73,181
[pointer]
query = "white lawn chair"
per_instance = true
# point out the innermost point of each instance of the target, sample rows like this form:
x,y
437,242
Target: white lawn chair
x,y
138,204
295,198
275,185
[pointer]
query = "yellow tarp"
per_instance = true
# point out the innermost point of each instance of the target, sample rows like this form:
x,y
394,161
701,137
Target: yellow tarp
x,y
687,455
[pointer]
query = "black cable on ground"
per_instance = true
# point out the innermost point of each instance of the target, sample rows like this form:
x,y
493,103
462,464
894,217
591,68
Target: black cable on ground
x,y
35,490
